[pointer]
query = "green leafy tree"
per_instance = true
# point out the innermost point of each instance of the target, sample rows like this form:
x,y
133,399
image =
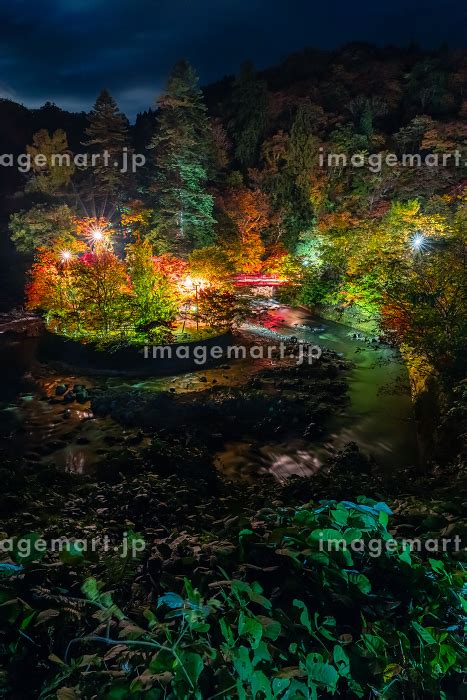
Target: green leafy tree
x,y
302,154
423,305
41,226
183,157
154,300
211,264
291,165
364,111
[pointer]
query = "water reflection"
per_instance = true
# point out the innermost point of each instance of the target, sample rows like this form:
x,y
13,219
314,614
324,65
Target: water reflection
x,y
379,419
379,415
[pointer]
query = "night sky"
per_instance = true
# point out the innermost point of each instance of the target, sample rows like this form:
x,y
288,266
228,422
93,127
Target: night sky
x,y
65,51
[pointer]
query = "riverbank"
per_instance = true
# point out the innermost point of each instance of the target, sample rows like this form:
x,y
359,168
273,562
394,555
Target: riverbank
x,y
350,316
137,361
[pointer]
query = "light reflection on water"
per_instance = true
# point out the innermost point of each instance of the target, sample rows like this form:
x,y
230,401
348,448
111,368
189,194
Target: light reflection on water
x,y
378,417
380,421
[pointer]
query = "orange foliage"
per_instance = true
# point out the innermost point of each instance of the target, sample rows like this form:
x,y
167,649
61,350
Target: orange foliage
x,y
277,256
41,291
249,211
170,266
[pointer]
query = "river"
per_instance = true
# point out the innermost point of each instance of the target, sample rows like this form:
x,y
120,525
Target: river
x,y
378,415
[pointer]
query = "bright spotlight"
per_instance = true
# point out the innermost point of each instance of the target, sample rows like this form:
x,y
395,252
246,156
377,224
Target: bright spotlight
x,y
191,283
97,234
417,242
66,255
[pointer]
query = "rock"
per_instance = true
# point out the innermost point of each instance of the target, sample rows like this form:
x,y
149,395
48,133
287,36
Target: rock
x,y
203,379
67,413
111,439
352,460
82,396
69,397
10,422
135,439
60,389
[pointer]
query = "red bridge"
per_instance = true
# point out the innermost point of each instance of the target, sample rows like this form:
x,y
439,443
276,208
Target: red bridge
x,y
258,281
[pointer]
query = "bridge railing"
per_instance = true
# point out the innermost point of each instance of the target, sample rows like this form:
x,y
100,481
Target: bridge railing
x,y
258,280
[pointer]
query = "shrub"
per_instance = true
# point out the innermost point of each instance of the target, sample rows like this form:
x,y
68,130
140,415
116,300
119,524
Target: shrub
x,y
278,613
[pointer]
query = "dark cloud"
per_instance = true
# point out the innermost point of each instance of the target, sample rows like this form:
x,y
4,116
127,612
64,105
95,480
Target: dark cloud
x,y
65,51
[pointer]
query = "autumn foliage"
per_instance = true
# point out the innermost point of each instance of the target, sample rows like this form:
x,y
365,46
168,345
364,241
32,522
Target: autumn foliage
x,y
99,296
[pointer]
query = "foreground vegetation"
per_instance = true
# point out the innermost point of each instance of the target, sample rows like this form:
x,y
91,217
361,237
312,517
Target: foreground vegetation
x,y
236,593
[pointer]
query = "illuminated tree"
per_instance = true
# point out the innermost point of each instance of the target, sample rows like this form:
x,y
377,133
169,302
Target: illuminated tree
x,y
52,287
423,305
42,226
57,170
96,231
183,157
153,300
43,290
103,289
248,210
221,309
171,267
211,264
282,264
139,221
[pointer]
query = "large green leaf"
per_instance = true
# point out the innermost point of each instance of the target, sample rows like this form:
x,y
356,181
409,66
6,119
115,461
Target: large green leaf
x,y
322,673
251,627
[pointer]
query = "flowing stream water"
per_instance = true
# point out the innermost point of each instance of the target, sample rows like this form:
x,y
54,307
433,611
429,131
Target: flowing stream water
x,y
378,415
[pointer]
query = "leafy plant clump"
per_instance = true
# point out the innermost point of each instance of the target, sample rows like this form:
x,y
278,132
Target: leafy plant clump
x,y
296,603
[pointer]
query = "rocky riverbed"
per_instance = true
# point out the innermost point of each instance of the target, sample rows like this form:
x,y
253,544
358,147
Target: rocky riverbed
x,y
75,424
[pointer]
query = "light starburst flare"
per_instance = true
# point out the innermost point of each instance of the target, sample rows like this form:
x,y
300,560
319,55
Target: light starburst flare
x,y
417,242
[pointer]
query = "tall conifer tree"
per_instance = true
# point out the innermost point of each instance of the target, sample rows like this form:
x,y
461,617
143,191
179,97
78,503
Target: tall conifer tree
x,y
107,132
183,159
249,114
